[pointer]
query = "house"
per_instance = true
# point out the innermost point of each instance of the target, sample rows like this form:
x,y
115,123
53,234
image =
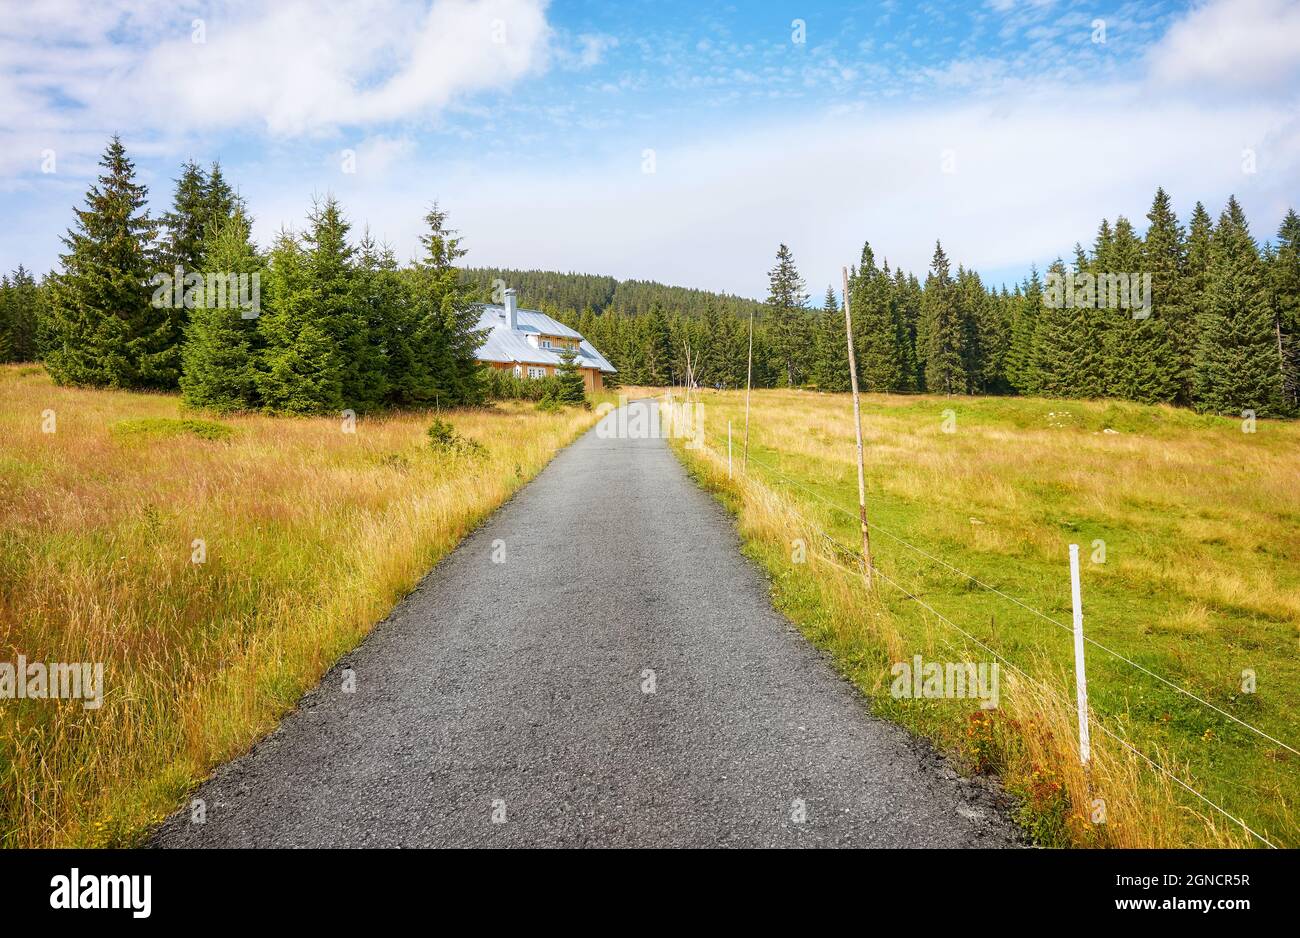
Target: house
x,y
531,343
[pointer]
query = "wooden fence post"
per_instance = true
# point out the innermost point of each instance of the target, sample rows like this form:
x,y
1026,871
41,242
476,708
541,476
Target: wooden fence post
x,y
857,426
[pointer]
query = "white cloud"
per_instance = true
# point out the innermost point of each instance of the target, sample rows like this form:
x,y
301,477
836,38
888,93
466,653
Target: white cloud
x,y
306,66
965,73
1028,183
592,48
1039,163
291,68
1235,43
376,156
1030,180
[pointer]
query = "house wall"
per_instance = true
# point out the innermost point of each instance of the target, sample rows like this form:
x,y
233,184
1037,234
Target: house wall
x,y
558,343
591,377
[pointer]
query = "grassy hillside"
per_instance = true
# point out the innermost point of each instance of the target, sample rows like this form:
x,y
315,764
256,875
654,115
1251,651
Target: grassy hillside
x,y
309,536
1200,583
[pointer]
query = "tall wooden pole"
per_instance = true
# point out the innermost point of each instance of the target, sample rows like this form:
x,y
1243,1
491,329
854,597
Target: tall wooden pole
x,y
749,383
857,425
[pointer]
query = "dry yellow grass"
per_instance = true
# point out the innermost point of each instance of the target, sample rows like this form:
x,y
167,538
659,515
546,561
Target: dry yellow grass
x,y
1201,581
311,536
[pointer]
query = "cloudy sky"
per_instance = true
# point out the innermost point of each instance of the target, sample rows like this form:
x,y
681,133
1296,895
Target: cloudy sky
x,y
671,141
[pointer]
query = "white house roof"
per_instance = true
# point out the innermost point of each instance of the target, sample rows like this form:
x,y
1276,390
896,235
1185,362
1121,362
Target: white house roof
x,y
503,344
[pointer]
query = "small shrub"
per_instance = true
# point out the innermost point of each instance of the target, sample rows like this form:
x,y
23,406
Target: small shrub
x,y
443,438
569,386
442,435
399,462
501,384
981,742
1044,812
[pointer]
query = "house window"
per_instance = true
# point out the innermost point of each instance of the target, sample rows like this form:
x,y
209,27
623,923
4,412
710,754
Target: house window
x,y
536,372
546,343
519,371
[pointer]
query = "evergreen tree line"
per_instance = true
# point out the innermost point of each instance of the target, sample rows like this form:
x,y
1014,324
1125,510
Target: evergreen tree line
x,y
548,290
1222,334
21,317
319,323
340,324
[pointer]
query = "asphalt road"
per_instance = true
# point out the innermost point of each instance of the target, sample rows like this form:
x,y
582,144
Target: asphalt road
x,y
506,704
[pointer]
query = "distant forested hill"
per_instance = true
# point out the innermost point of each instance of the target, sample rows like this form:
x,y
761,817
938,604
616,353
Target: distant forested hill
x,y
576,292
1201,316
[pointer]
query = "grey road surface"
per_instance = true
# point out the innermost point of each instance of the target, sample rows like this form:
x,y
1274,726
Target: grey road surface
x,y
507,701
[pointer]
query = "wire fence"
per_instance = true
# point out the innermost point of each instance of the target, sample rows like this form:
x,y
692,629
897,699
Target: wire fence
x,y
843,551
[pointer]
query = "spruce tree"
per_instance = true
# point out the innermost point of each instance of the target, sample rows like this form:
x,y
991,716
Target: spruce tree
x,y
6,320
907,304
1164,342
1097,374
975,315
875,327
331,305
831,372
1236,353
219,200
711,353
1091,365
732,349
1141,351
785,300
1063,365
656,348
1022,355
446,335
382,300
219,355
298,371
611,339
992,322
106,329
684,333
21,317
186,222
945,371
1119,258
1285,282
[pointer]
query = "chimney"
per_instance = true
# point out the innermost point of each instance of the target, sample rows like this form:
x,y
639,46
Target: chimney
x,y
512,309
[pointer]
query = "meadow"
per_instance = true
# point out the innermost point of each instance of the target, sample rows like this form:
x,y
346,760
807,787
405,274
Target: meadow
x,y
216,568
1189,534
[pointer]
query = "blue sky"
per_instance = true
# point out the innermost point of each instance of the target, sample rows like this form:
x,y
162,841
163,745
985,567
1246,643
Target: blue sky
x,y
671,141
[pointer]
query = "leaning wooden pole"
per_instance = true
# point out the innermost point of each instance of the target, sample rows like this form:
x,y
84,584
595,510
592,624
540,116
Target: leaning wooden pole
x,y
857,425
749,383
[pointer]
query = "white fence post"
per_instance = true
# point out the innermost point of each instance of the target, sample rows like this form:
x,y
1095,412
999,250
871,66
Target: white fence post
x,y
1080,678
728,449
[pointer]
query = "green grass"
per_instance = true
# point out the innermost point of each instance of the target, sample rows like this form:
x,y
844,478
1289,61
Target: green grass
x,y
1201,579
164,427
310,534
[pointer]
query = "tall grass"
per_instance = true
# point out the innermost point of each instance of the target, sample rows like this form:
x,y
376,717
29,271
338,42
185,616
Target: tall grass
x,y
1200,582
311,536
